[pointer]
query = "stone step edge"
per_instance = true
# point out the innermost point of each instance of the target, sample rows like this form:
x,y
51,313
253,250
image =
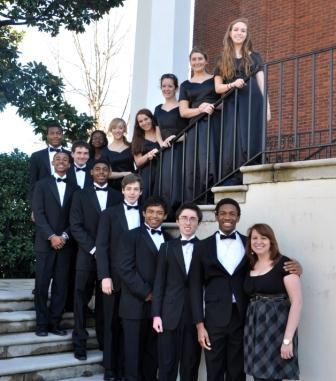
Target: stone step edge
x,y
24,338
31,364
18,316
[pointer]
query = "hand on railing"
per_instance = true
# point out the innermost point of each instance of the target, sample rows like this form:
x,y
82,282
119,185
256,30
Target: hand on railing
x,y
208,108
151,154
166,142
238,83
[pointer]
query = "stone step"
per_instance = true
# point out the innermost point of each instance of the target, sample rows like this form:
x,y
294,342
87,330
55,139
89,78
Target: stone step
x,y
16,295
25,321
28,344
95,377
50,367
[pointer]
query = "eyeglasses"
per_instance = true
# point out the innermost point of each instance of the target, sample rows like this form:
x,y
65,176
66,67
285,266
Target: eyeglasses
x,y
186,219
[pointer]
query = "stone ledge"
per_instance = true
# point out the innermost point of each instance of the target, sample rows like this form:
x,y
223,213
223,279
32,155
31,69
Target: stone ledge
x,y
237,192
290,171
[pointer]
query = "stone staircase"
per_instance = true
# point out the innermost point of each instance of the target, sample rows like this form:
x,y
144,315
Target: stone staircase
x,y
27,357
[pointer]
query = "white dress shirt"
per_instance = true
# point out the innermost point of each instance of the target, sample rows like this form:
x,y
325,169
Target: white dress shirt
x,y
132,216
80,175
230,253
157,238
187,252
102,196
61,185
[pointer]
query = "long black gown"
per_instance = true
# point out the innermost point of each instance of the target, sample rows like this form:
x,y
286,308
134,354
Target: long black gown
x,y
248,138
148,170
168,182
197,152
120,162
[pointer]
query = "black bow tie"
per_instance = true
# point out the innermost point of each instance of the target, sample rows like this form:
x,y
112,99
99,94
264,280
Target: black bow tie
x,y
80,169
154,231
186,241
230,236
101,189
51,149
129,207
60,180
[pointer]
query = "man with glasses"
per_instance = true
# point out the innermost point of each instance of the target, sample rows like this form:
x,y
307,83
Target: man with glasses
x,y
178,345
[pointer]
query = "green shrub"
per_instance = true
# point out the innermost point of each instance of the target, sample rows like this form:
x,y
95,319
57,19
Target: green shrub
x,y
17,258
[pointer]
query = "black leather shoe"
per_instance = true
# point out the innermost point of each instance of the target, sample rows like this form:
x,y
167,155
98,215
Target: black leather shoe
x,y
80,355
58,331
41,332
109,376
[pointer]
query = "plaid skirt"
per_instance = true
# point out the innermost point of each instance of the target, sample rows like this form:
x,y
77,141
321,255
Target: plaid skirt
x,y
263,334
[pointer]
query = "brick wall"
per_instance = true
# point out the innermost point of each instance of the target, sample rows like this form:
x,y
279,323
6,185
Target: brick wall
x,y
280,29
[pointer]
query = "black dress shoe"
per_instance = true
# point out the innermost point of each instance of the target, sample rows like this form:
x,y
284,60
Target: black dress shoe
x,y
41,332
80,355
58,331
109,376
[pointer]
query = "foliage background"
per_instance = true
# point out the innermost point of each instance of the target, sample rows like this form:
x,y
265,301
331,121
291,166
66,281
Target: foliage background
x,y
17,258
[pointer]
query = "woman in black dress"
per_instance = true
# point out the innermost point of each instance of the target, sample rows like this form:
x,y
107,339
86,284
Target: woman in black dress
x,y
273,314
145,148
197,97
168,181
237,61
98,146
119,152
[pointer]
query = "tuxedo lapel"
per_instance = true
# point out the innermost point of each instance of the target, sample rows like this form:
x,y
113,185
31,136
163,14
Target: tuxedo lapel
x,y
54,190
213,253
94,199
46,160
178,252
149,242
242,263
122,217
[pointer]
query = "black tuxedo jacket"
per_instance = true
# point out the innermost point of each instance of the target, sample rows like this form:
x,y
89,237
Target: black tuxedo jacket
x,y
39,168
171,296
84,218
207,272
50,216
136,263
71,175
112,225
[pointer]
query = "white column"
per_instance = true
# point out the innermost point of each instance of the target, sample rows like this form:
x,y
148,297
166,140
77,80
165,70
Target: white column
x,y
162,44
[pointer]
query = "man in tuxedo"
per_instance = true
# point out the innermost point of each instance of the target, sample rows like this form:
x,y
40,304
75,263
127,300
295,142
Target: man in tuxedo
x,y
86,209
53,245
177,341
217,276
136,261
78,174
113,222
41,161
79,171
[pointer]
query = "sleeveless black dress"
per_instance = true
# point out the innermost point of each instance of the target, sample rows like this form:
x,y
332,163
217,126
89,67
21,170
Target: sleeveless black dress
x,y
201,148
120,162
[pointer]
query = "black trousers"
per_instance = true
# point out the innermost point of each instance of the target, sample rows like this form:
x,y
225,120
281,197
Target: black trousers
x,y
140,343
51,265
85,284
226,356
113,358
179,349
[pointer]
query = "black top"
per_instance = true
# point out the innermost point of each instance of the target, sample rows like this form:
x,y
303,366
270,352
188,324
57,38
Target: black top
x,y
269,283
240,72
121,161
148,146
197,93
170,122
